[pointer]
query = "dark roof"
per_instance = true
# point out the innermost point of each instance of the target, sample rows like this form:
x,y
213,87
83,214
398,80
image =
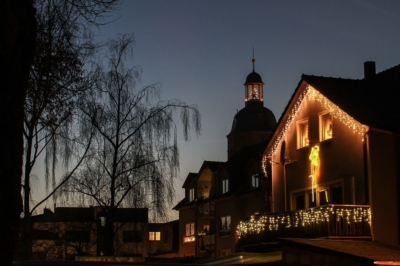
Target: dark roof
x,y
368,250
372,102
190,177
87,214
253,117
253,77
66,214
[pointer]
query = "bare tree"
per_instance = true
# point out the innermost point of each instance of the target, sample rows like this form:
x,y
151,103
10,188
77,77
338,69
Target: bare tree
x,y
135,152
55,82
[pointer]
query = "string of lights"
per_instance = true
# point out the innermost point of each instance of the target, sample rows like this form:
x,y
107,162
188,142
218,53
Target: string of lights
x,y
302,218
310,93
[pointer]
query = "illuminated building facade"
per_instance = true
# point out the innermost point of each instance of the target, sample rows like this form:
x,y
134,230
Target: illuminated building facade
x,y
222,193
335,153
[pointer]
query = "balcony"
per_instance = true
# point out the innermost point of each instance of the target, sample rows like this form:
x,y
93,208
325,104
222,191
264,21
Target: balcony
x,y
333,221
206,208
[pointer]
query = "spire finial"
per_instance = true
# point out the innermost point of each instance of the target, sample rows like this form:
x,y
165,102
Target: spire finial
x,y
253,60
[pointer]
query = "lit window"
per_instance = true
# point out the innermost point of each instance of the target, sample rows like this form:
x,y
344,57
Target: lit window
x,y
154,236
191,194
302,134
325,126
189,233
225,227
225,185
255,181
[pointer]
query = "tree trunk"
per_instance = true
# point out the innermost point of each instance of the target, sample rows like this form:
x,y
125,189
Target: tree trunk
x,y
17,48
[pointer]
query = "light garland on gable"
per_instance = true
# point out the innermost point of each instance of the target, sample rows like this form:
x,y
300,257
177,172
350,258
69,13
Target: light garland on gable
x,y
312,94
338,113
285,129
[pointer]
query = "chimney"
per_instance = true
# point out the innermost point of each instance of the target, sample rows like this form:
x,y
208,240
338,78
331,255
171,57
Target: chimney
x,y
369,70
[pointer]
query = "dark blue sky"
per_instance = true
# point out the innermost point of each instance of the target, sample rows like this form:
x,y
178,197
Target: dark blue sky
x,y
201,51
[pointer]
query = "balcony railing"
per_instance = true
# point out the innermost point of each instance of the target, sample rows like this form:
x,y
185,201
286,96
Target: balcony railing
x,y
206,208
325,221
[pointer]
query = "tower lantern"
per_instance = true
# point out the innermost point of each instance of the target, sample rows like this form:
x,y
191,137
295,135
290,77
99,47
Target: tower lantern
x,y
254,87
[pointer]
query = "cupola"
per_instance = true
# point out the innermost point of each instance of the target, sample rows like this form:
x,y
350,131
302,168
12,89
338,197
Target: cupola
x,y
254,88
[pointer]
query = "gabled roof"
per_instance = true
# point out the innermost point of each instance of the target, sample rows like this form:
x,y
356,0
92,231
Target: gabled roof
x,y
190,177
372,102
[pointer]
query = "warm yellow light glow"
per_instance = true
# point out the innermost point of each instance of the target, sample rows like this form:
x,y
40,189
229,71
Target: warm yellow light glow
x,y
314,158
259,223
189,239
309,93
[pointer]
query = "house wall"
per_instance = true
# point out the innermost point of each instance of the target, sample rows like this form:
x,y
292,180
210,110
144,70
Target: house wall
x,y
226,244
384,185
341,161
186,216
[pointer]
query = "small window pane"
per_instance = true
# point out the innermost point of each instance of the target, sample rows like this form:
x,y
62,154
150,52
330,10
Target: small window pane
x,y
326,126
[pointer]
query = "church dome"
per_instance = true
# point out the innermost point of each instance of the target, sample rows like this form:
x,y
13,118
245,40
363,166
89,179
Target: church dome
x,y
253,77
253,117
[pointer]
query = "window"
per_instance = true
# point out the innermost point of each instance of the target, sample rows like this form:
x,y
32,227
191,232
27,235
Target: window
x,y
299,201
77,236
325,126
323,197
255,181
132,236
154,236
103,221
337,194
189,233
312,199
191,194
225,185
225,226
302,134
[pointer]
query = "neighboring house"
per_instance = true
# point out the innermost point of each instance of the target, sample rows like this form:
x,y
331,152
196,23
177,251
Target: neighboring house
x,y
72,231
222,193
334,160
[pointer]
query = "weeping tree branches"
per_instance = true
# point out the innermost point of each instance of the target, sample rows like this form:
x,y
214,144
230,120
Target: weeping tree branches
x,y
134,153
56,81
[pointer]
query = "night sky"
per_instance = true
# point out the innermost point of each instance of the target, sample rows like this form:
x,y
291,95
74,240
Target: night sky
x,y
201,51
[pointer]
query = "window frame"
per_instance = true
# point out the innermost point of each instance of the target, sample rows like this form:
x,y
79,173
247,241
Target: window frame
x,y
255,181
303,127
322,125
227,221
154,236
191,194
189,233
225,185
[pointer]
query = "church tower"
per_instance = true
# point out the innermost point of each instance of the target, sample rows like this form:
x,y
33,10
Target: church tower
x,y
254,123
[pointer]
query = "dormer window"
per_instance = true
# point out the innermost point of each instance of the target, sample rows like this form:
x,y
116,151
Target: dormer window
x,y
225,185
302,133
255,181
191,194
325,126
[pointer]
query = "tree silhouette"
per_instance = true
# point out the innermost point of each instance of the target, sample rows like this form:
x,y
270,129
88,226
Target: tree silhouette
x,y
56,80
17,48
135,156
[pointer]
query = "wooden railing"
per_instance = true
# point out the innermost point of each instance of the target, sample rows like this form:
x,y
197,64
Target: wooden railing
x,y
325,221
